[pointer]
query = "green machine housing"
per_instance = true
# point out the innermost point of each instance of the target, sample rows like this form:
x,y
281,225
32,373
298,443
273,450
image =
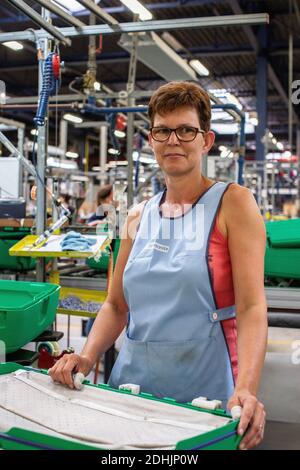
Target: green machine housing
x,y
282,257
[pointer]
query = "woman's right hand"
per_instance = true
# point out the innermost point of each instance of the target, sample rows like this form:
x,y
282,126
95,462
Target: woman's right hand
x,y
69,364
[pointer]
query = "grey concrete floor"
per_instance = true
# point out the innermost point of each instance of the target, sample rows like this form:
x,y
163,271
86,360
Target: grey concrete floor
x,y
281,436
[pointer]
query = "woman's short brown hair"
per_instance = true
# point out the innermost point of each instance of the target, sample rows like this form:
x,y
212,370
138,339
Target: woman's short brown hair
x,y
103,193
172,95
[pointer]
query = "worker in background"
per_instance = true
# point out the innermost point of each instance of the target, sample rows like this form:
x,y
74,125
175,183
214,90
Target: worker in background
x,y
193,300
66,200
104,203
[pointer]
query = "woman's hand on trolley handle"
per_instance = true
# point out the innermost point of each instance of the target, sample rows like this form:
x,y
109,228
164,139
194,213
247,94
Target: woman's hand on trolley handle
x,y
252,420
64,369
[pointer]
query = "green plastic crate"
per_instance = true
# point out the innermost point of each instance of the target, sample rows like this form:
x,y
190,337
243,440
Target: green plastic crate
x,y
284,233
26,310
282,262
224,438
8,238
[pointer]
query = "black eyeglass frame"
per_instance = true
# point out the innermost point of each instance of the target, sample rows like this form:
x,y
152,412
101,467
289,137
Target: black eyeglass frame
x,y
196,129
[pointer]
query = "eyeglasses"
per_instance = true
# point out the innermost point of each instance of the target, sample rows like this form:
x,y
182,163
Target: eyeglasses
x,y
183,133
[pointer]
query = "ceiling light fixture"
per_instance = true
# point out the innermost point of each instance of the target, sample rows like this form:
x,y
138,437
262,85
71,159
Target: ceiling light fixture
x,y
14,45
72,154
199,67
136,7
112,151
73,118
71,5
119,134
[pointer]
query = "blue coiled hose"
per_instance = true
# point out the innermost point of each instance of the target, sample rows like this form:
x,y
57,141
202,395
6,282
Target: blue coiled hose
x,y
49,87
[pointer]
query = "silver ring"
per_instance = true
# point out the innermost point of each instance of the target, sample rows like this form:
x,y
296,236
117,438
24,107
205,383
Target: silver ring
x,y
261,428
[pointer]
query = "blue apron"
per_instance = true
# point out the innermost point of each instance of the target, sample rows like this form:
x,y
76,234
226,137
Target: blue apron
x,y
174,344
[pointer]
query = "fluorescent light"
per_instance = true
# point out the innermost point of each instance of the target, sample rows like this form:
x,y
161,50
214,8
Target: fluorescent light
x,y
14,45
274,141
280,145
222,148
226,97
97,86
72,154
254,121
73,118
270,135
169,38
113,164
119,134
61,164
232,128
233,99
199,67
136,7
71,5
142,159
79,178
112,151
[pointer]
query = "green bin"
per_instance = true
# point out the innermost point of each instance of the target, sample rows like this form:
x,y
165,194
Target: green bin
x,y
282,257
8,238
26,310
282,262
284,233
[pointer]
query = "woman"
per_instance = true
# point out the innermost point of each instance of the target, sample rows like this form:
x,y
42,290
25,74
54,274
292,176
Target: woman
x,y
104,202
191,260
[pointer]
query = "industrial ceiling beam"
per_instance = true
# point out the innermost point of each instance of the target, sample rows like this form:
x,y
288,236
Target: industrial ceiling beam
x,y
254,43
141,26
50,31
62,13
93,8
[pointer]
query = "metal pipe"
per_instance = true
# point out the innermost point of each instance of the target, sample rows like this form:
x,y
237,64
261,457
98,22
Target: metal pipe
x,y
141,26
103,151
62,13
12,122
130,117
21,138
49,29
116,110
90,5
35,105
63,135
41,162
290,106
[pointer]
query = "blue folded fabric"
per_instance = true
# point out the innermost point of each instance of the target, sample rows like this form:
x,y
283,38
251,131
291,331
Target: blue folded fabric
x,y
74,241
